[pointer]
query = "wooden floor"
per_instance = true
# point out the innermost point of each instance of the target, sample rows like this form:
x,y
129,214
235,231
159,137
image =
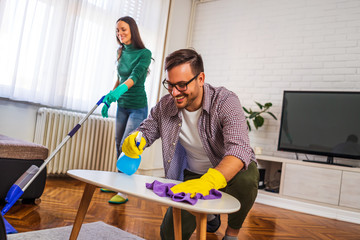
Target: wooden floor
x,y
61,198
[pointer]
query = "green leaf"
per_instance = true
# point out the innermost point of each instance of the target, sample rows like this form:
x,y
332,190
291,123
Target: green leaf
x,y
253,115
256,117
271,114
258,121
248,125
268,105
260,105
245,110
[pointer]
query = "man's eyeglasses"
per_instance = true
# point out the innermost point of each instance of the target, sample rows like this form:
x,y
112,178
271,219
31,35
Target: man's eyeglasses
x,y
181,87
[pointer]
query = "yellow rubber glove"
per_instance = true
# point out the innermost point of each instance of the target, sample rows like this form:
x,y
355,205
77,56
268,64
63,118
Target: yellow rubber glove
x,y
213,179
130,148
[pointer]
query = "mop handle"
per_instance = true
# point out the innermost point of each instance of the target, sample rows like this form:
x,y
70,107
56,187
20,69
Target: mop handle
x,y
69,135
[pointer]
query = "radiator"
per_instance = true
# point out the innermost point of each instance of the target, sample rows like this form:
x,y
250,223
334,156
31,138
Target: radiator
x,y
92,147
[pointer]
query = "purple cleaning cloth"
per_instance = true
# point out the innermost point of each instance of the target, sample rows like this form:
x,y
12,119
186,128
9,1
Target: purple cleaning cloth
x,y
163,190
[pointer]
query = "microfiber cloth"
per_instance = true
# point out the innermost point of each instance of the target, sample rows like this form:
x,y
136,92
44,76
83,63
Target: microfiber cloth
x,y
163,190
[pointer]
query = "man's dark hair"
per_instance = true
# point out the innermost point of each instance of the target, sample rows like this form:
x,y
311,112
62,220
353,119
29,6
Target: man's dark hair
x,y
185,56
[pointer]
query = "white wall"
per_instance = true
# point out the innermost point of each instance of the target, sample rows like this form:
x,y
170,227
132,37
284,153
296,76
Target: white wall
x,y
178,27
176,38
258,48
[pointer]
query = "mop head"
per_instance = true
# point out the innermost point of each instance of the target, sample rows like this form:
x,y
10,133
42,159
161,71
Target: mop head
x,y
12,196
9,229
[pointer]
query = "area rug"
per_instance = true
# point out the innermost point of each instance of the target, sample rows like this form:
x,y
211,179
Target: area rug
x,y
88,231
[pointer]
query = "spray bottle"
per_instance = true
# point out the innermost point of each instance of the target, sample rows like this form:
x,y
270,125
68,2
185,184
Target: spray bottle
x,y
127,164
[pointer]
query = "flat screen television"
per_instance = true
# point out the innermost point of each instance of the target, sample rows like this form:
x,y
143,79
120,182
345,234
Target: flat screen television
x,y
325,123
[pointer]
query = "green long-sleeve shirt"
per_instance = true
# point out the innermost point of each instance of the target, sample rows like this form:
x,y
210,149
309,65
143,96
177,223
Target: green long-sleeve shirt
x,y
134,64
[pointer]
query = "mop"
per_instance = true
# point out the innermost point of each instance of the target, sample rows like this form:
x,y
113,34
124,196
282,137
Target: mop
x,y
19,187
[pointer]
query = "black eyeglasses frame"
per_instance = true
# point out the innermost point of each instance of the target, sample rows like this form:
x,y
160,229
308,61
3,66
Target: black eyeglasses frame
x,y
170,86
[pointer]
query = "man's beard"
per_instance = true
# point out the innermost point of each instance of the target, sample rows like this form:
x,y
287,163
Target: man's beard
x,y
188,100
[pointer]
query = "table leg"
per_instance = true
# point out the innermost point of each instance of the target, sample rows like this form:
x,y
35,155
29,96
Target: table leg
x,y
201,221
177,223
84,204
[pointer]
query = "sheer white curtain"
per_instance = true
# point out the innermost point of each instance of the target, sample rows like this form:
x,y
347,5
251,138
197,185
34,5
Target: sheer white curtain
x,y
62,53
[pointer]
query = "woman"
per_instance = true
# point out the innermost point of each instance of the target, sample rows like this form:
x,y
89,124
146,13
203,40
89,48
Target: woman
x,y
133,64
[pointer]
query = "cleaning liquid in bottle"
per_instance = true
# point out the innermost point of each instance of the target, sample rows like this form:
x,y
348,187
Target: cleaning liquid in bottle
x,y
127,164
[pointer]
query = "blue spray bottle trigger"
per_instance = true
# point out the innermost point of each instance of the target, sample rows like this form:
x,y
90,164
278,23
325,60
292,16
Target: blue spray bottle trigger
x,y
138,139
127,164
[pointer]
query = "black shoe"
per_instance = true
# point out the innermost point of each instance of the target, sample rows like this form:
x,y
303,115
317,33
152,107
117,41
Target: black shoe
x,y
213,225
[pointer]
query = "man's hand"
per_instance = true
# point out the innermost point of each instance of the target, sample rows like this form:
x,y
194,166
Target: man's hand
x,y
129,147
213,179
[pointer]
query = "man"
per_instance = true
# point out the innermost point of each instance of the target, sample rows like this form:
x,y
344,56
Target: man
x,y
204,138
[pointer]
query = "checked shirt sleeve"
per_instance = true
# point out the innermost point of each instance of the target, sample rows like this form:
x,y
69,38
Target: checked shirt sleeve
x,y
235,132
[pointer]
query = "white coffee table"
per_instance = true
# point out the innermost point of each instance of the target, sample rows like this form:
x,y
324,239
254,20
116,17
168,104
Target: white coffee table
x,y
135,185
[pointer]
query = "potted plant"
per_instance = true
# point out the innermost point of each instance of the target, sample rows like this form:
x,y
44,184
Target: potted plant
x,y
256,117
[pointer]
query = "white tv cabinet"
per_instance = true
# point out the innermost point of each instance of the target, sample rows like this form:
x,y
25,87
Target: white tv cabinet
x,y
320,189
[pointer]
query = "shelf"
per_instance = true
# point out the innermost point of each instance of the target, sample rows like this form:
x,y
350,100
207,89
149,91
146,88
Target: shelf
x,y
311,182
300,162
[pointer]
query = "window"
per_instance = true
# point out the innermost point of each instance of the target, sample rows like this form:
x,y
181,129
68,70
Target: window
x,y
63,53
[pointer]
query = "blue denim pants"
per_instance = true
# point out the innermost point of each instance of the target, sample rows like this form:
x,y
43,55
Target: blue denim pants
x,y
127,120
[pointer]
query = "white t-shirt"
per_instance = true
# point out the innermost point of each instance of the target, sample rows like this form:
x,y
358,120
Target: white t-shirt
x,y
198,162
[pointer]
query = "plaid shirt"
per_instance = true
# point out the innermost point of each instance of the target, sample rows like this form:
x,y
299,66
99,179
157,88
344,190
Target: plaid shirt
x,y
222,128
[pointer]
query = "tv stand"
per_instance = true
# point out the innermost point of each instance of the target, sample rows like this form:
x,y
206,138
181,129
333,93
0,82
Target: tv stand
x,y
330,160
331,189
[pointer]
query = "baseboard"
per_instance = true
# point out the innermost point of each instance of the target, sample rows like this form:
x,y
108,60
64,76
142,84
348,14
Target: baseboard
x,y
309,208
